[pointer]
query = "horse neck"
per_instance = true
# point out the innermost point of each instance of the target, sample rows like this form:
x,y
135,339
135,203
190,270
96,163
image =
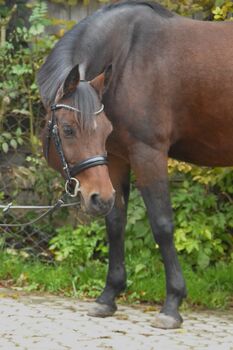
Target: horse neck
x,y
108,37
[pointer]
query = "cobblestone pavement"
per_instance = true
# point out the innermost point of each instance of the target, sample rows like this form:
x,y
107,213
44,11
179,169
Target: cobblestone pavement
x,y
54,323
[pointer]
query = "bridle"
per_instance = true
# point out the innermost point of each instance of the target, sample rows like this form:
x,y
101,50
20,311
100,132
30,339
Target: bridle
x,y
72,185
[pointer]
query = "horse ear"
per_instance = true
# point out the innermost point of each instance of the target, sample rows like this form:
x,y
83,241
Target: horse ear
x,y
70,83
102,81
98,84
71,80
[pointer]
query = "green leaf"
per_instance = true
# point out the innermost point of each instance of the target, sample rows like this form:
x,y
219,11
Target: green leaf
x,y
203,260
23,112
139,268
219,3
5,147
19,141
18,132
13,143
6,135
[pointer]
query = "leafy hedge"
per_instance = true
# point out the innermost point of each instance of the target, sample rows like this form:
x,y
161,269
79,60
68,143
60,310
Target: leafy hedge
x,y
203,221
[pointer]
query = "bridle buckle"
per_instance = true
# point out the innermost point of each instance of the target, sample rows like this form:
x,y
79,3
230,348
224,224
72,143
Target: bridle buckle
x,y
75,190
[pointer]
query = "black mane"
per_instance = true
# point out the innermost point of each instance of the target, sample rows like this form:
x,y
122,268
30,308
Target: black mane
x,y
159,9
72,49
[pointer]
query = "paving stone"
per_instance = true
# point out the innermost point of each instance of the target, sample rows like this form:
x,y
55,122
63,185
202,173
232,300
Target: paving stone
x,y
54,323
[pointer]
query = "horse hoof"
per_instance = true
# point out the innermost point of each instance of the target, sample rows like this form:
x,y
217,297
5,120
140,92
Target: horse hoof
x,y
166,322
101,310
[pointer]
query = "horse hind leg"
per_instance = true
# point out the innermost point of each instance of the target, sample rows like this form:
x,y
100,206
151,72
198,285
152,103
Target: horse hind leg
x,y
115,224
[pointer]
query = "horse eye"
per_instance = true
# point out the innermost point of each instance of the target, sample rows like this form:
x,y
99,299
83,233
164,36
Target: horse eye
x,y
68,131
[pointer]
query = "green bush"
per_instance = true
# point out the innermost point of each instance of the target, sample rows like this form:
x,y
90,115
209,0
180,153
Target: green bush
x,y
203,226
203,217
20,57
81,244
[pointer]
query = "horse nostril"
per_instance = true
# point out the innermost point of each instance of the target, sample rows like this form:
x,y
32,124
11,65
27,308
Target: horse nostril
x,y
98,205
95,199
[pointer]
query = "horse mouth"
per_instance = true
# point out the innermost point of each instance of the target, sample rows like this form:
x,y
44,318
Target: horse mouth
x,y
99,210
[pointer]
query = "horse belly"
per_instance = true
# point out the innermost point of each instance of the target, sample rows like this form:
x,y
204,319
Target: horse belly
x,y
204,152
204,131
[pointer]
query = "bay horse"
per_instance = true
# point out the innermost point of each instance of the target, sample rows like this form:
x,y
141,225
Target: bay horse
x,y
137,84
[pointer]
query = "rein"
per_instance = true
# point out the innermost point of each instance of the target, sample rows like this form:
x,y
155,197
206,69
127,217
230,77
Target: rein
x,y
51,208
72,185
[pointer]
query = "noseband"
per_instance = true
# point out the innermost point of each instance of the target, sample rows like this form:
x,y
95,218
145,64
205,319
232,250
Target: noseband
x,y
72,186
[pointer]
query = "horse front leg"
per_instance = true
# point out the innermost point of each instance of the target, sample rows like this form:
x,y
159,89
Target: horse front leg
x,y
150,167
115,224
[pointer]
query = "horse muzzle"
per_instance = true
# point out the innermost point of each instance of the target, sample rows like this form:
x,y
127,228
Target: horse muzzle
x,y
99,206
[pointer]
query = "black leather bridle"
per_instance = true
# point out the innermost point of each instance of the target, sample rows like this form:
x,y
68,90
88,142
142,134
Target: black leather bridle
x,y
72,186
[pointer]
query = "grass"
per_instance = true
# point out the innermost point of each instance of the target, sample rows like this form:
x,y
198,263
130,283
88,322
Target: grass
x,y
211,288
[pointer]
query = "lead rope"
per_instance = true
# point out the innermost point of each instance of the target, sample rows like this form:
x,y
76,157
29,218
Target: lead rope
x,y
60,203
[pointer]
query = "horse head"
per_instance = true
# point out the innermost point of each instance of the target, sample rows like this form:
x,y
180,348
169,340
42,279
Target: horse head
x,y
74,141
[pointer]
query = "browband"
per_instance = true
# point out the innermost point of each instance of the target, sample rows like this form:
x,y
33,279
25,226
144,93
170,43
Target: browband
x,y
70,108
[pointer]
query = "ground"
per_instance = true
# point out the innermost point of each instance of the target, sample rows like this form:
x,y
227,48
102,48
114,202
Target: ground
x,y
48,322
